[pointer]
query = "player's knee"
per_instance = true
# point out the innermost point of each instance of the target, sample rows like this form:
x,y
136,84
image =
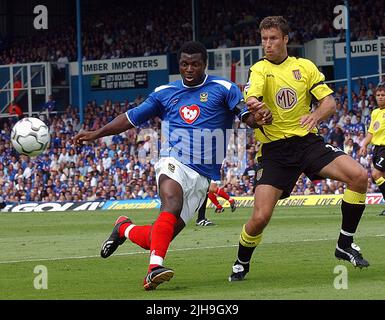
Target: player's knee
x,y
172,203
358,181
362,179
258,222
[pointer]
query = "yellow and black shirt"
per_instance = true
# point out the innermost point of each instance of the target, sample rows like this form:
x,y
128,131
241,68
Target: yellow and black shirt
x,y
287,89
377,127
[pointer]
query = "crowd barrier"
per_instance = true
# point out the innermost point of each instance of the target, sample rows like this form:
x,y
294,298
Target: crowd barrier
x,y
242,202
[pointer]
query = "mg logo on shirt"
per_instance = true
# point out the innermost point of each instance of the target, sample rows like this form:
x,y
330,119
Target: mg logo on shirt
x,y
286,98
189,113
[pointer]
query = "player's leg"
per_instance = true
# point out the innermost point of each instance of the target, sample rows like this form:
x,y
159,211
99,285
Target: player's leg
x,y
201,219
140,235
182,192
379,179
378,172
221,193
218,191
213,197
273,181
171,195
265,199
344,168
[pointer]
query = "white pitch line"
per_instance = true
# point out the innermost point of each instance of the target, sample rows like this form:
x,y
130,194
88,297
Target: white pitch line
x,y
171,250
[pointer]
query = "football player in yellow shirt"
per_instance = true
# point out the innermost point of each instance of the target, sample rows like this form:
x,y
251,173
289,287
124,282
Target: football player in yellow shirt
x,y
290,145
376,136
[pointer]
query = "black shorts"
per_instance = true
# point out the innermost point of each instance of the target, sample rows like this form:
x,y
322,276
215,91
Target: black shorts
x,y
379,158
283,161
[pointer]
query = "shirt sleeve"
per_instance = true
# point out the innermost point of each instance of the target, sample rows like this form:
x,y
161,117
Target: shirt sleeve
x,y
148,109
317,87
236,102
255,84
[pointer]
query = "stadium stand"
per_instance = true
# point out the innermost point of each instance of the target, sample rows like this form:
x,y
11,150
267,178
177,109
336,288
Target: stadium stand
x,y
109,34
120,167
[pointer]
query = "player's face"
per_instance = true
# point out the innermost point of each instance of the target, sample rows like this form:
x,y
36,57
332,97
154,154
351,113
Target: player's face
x,y
192,68
274,44
380,97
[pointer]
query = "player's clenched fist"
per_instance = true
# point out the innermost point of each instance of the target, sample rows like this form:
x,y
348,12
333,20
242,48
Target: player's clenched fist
x,y
262,114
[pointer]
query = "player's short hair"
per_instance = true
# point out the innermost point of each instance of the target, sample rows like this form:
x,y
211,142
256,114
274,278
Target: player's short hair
x,y
278,22
380,87
192,47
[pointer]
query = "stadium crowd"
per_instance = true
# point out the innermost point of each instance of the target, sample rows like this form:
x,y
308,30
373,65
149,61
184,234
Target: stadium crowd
x,y
143,31
122,166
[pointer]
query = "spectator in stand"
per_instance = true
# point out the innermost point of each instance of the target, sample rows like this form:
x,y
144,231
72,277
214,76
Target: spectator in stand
x,y
250,171
49,106
17,86
14,110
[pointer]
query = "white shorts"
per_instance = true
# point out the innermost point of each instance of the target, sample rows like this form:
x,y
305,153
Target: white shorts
x,y
193,184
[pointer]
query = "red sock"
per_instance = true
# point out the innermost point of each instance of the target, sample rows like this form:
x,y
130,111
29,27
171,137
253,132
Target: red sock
x,y
214,200
161,236
223,194
140,235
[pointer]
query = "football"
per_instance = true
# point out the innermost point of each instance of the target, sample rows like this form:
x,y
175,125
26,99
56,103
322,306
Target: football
x,y
30,136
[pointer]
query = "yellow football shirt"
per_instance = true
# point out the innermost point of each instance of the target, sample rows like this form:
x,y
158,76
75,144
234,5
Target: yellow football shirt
x,y
287,90
377,127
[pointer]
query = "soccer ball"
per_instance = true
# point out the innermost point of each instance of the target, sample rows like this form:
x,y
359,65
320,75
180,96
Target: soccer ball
x,y
30,136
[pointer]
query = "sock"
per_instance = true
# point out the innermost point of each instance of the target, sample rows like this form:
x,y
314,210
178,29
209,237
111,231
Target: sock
x,y
202,210
140,235
247,244
214,199
352,207
381,185
220,192
161,236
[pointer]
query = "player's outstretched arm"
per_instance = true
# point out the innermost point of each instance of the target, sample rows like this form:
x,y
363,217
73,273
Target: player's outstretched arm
x,y
116,126
327,106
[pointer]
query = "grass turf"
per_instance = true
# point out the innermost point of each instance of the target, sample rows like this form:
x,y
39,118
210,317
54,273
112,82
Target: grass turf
x,y
294,261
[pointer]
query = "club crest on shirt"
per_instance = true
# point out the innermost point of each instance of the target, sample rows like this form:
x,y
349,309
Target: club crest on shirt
x,y
376,126
189,113
203,97
297,74
171,167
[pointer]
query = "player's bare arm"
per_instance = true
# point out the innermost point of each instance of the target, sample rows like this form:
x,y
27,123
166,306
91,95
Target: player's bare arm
x,y
327,106
116,126
257,120
364,148
259,114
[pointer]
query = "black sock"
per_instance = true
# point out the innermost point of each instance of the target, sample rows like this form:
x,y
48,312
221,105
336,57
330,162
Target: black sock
x,y
202,210
244,254
351,216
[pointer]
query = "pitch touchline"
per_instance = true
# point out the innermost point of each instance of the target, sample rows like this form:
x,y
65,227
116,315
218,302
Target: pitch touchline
x,y
171,250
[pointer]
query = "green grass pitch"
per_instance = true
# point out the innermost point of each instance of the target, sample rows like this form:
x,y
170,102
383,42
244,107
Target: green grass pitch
x,y
294,261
